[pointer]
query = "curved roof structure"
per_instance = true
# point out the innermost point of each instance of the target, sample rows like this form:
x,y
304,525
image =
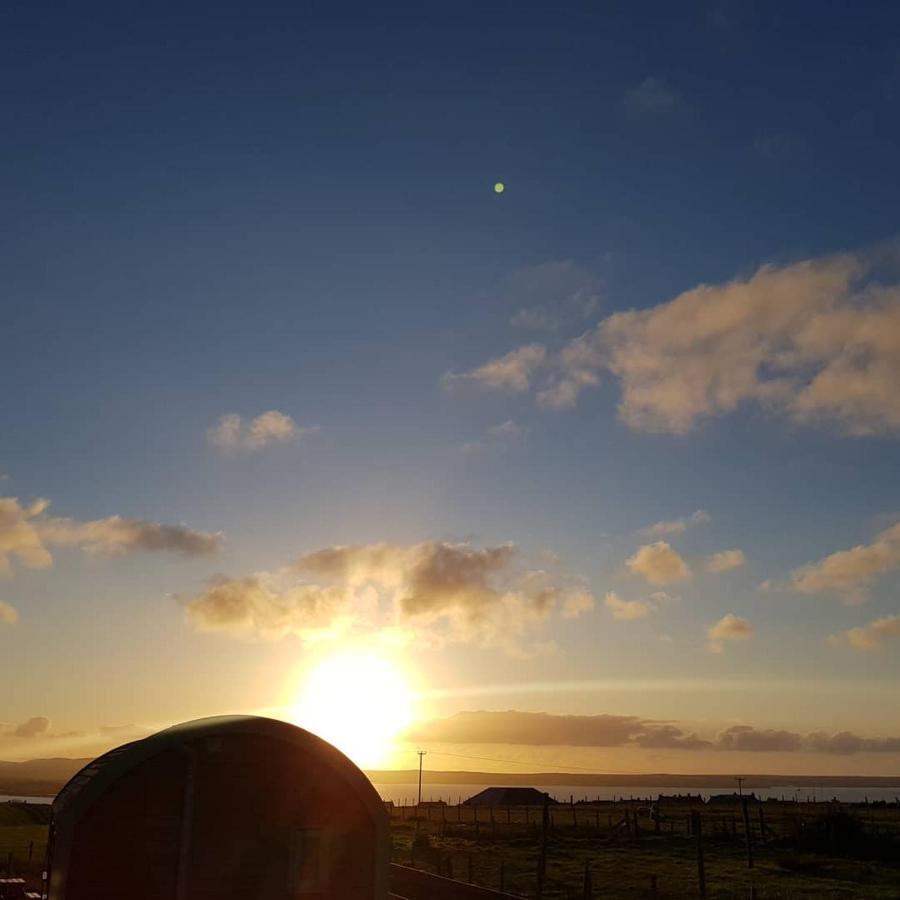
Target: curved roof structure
x,y
312,798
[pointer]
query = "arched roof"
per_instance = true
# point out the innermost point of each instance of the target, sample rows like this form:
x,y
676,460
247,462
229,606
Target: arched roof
x,y
90,782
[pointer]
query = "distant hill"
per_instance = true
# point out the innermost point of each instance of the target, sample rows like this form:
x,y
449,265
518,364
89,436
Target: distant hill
x,y
44,778
661,779
38,777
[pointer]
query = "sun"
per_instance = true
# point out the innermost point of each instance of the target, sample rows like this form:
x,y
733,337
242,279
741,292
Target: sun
x,y
358,701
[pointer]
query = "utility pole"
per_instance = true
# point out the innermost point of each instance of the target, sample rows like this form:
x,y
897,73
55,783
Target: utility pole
x,y
421,754
740,780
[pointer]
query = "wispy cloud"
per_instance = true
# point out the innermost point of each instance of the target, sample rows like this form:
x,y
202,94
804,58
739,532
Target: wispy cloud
x,y
553,295
512,372
26,533
628,609
678,526
495,437
9,615
872,636
773,147
850,572
652,98
272,427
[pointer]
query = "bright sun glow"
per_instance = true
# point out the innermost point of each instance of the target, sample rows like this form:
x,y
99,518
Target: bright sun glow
x,y
358,701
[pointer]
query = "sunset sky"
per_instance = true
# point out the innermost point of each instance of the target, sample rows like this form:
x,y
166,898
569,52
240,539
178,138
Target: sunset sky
x,y
302,417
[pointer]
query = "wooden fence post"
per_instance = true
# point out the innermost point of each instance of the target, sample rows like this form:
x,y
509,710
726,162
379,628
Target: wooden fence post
x,y
697,829
542,855
588,890
747,836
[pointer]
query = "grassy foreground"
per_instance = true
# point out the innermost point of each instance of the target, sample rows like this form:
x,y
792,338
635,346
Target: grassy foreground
x,y
800,850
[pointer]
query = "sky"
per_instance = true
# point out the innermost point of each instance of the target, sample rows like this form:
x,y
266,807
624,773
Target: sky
x,y
532,374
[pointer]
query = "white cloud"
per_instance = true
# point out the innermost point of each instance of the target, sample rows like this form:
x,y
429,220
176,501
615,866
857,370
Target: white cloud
x,y
628,609
871,636
725,561
577,603
728,628
26,532
271,427
659,564
496,437
817,341
508,430
850,572
680,525
8,614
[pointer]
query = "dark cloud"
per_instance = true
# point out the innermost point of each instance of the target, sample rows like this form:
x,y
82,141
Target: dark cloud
x,y
256,605
33,727
743,737
547,729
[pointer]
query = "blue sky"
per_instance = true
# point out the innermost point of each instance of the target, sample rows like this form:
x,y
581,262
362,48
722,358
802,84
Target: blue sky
x,y
231,209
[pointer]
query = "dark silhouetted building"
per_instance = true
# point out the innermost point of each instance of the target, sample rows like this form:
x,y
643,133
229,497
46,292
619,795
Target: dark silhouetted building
x,y
220,809
509,796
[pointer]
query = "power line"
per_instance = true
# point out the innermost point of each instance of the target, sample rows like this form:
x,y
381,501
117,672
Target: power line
x,y
421,754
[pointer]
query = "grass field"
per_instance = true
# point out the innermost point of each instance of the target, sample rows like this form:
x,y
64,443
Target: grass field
x,y
801,855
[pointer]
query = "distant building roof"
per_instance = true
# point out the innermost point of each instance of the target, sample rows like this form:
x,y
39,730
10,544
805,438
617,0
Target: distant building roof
x,y
509,796
731,798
